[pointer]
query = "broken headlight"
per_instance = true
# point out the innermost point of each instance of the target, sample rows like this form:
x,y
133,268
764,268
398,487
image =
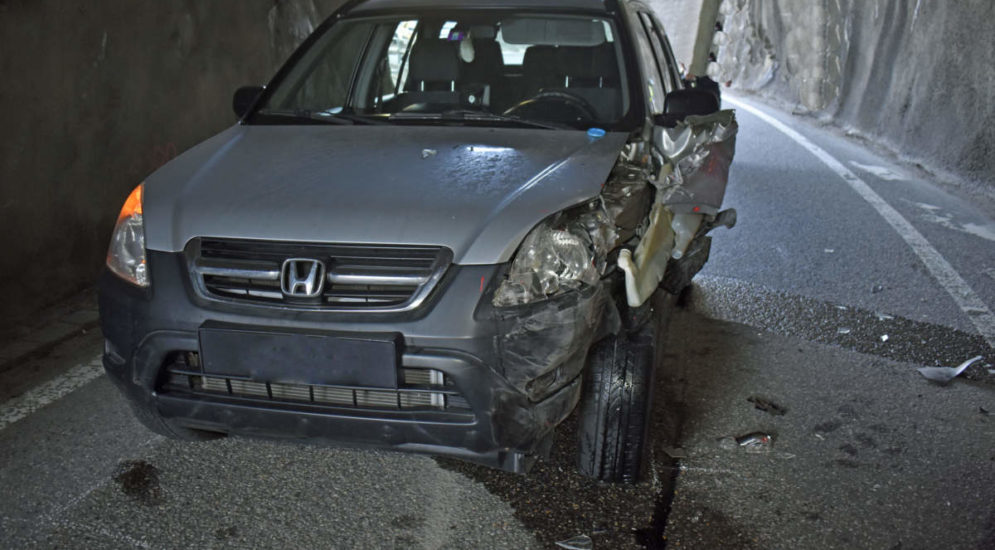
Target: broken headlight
x,y
126,254
553,258
571,249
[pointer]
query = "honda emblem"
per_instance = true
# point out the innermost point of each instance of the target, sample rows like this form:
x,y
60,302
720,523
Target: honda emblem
x,y
302,278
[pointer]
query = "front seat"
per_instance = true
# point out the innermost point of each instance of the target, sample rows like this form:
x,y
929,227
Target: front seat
x,y
433,75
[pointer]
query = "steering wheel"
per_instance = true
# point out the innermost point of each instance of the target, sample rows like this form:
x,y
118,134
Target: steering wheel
x,y
554,105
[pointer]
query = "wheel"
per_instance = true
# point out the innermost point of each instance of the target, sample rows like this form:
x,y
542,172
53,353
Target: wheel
x,y
556,105
615,410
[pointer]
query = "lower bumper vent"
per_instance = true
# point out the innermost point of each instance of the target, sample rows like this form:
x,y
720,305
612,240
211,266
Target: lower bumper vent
x,y
421,389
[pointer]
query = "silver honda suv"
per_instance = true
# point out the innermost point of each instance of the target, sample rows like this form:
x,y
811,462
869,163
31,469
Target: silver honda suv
x,y
437,229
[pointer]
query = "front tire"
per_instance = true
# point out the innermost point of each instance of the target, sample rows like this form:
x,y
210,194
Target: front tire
x,y
615,411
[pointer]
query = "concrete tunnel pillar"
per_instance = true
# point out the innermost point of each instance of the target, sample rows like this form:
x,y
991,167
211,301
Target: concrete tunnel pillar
x,y
708,15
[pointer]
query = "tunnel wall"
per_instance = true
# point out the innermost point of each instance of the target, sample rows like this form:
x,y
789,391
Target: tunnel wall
x,y
913,75
96,96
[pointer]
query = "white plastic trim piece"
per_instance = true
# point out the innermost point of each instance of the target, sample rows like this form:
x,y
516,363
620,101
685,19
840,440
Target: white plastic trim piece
x,y
644,270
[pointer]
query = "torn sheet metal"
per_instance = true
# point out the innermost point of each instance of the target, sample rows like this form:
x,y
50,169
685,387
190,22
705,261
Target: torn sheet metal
x,y
697,153
543,346
944,375
644,269
571,250
694,158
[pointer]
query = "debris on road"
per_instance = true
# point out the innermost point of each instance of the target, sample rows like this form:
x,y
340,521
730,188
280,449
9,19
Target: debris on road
x,y
755,442
426,153
843,330
830,250
884,317
675,452
884,338
876,289
983,410
944,375
580,542
767,406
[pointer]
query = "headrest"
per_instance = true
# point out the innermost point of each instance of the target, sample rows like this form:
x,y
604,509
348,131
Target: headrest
x,y
540,59
594,62
434,60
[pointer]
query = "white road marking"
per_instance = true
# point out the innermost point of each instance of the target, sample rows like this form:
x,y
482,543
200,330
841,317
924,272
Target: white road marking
x,y
49,392
962,293
878,171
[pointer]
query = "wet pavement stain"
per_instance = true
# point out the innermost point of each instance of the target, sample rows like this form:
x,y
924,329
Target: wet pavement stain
x,y
140,481
225,533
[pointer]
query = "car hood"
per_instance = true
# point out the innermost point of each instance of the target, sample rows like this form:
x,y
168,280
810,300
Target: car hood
x,y
477,191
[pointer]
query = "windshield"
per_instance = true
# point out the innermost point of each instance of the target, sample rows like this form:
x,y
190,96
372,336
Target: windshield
x,y
540,71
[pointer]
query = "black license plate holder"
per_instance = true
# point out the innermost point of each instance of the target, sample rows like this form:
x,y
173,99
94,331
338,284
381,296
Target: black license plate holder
x,y
307,358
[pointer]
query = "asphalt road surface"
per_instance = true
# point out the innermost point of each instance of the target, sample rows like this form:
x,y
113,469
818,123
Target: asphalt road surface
x,y
846,272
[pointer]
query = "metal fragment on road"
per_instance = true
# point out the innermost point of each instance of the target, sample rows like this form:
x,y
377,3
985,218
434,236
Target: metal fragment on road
x,y
580,542
843,330
884,338
830,250
425,153
756,442
944,375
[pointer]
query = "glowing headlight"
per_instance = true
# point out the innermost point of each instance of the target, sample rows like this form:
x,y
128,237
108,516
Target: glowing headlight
x,y
126,255
549,261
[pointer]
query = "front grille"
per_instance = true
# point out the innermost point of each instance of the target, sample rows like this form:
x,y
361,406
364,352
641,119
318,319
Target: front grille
x,y
358,277
420,389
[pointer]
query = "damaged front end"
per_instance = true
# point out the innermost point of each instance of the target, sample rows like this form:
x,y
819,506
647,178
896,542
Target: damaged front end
x,y
662,198
563,291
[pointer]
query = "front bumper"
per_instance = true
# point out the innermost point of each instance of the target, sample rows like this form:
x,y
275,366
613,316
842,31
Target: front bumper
x,y
518,369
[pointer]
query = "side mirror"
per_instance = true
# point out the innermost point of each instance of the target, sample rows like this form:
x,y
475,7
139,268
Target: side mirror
x,y
244,98
682,103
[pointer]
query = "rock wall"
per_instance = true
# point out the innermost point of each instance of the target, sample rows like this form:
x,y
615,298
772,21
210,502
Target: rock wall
x,y
96,96
914,75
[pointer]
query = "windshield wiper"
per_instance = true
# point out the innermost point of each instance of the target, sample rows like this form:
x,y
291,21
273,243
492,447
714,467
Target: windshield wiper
x,y
321,116
459,115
